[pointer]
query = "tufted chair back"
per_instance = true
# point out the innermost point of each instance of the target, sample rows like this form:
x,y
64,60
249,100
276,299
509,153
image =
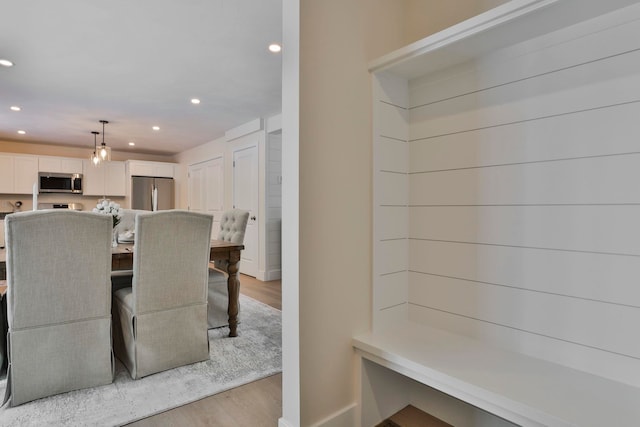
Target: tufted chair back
x,y
233,225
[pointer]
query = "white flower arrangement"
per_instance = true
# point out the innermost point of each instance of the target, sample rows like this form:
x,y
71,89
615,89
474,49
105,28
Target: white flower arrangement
x,y
108,207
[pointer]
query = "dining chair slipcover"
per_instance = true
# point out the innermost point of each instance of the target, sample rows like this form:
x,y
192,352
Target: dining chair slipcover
x,y
58,303
160,322
233,225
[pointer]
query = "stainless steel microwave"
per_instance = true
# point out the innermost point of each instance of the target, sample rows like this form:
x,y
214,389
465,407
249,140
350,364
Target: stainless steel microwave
x,y
51,182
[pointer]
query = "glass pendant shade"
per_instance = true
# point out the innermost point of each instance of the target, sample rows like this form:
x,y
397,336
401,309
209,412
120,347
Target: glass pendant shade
x,y
95,159
104,152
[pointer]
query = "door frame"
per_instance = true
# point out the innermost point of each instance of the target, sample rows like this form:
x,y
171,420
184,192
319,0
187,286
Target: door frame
x,y
246,195
256,138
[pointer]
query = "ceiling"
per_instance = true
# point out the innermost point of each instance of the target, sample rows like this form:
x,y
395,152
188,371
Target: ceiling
x,y
137,64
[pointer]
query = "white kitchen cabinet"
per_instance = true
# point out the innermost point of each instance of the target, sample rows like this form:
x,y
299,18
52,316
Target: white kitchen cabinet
x,y
92,179
156,169
59,164
106,179
6,174
26,174
18,174
115,183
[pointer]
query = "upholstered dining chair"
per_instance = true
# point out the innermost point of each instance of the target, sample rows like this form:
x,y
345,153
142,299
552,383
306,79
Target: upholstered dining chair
x,y
58,303
160,321
233,226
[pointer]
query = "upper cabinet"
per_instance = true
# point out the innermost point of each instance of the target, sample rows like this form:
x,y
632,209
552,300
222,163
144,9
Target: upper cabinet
x,y
59,165
26,174
18,174
115,179
158,169
106,179
6,174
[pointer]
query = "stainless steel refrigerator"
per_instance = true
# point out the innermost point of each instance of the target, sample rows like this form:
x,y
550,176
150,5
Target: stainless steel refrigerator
x,y
152,194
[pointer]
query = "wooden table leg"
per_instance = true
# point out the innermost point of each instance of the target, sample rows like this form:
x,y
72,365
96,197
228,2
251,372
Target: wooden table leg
x,y
233,287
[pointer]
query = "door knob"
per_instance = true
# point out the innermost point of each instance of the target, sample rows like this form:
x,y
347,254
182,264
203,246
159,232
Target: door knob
x,y
253,218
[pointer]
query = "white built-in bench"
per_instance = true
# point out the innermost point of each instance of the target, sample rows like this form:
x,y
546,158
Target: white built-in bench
x,y
518,388
505,170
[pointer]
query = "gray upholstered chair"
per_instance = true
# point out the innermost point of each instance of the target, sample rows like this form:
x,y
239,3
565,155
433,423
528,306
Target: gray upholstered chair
x,y
233,225
58,303
160,322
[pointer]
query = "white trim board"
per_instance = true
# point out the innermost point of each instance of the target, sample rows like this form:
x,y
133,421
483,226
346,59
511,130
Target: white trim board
x,y
244,129
513,22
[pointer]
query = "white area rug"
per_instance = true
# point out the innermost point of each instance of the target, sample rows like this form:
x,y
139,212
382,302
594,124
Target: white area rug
x,y
256,353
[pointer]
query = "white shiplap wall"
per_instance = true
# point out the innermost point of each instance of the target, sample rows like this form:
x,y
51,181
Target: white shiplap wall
x,y
274,206
507,203
390,199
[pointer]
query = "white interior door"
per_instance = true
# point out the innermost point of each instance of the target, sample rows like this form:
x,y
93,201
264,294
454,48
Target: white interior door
x,y
214,192
246,197
196,183
206,190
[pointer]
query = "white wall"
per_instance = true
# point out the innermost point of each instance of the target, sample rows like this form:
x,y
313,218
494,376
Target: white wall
x,y
425,17
514,198
77,152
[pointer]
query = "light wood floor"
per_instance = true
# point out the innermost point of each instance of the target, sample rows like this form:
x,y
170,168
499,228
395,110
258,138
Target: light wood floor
x,y
255,404
411,416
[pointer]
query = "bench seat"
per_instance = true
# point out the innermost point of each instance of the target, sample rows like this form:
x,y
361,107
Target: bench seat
x,y
521,389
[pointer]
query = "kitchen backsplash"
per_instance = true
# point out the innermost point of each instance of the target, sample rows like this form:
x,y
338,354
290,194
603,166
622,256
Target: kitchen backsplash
x,y
8,201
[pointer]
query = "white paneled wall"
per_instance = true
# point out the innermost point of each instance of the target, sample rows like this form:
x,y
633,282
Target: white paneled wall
x,y
274,206
390,198
507,198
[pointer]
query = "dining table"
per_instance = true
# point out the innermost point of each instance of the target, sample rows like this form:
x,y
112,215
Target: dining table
x,y
122,259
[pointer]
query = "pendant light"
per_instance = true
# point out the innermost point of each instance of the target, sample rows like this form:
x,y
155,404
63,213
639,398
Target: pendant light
x,y
104,152
95,159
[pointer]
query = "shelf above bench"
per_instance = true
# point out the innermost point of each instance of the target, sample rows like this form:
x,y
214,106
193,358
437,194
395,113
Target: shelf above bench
x,y
518,388
513,22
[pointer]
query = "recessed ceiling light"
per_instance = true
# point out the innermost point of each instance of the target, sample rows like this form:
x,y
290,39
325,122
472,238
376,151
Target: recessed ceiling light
x,y
156,128
131,144
275,48
6,63
195,101
22,132
15,108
